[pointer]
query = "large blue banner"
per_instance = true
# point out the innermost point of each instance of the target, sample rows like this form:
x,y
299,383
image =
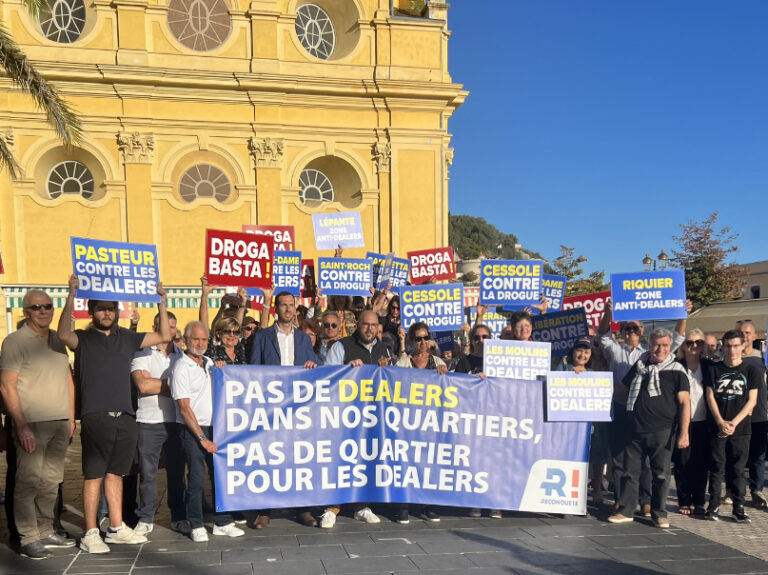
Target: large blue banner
x,y
290,437
115,271
345,276
440,306
648,295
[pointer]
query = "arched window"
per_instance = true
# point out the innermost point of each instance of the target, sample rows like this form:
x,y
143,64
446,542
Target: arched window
x,y
204,181
200,25
315,187
62,20
70,177
315,31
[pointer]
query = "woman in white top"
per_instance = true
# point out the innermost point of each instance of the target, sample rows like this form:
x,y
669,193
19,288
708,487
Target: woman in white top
x,y
692,463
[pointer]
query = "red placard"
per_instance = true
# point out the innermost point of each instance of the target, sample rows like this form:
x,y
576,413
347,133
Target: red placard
x,y
436,263
238,258
593,304
282,235
308,283
80,309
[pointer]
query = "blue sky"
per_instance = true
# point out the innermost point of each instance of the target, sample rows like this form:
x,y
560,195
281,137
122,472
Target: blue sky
x,y
604,124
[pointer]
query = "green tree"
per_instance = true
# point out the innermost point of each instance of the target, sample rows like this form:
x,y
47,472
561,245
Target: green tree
x,y
568,264
472,237
24,76
703,253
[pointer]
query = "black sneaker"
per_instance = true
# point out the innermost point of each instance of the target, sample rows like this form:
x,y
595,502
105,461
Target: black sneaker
x,y
758,500
712,514
739,516
35,550
56,541
429,515
402,517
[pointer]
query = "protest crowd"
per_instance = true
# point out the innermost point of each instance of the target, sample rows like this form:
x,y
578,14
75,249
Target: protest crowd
x,y
683,402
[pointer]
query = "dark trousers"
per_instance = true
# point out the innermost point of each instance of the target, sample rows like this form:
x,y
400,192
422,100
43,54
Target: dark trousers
x,y
729,458
657,447
197,460
756,457
692,466
618,439
154,439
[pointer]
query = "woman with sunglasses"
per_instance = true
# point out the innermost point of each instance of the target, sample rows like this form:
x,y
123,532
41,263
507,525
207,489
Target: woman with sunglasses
x,y
692,463
229,350
419,341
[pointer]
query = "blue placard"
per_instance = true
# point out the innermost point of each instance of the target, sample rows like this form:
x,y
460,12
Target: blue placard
x,y
115,271
554,291
510,282
290,437
494,320
516,359
440,306
646,296
286,271
343,229
561,329
444,340
345,276
388,269
584,396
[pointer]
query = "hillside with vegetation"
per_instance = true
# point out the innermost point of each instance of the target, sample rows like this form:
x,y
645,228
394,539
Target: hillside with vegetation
x,y
473,237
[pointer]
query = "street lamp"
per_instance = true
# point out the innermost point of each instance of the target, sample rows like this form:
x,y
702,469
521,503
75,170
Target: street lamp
x,y
662,260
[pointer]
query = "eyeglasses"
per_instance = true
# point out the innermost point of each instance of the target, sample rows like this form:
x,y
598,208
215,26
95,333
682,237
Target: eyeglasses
x,y
694,343
479,337
40,306
421,338
631,329
230,331
248,328
330,325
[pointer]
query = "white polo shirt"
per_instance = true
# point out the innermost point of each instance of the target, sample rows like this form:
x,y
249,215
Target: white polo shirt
x,y
155,408
194,382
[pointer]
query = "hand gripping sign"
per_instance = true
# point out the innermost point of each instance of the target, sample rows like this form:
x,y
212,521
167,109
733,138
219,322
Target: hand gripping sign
x,y
510,282
238,259
648,295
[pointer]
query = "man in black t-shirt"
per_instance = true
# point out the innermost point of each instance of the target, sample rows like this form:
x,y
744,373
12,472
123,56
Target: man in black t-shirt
x,y
731,390
659,412
107,418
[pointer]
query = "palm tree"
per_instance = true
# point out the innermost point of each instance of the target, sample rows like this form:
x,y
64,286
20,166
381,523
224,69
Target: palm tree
x,y
61,117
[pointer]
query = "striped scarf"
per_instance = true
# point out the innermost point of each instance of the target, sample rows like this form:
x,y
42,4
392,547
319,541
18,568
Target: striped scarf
x,y
645,369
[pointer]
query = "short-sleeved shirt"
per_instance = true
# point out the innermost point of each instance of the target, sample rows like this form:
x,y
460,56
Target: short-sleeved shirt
x,y
156,408
658,413
192,381
731,386
104,368
42,366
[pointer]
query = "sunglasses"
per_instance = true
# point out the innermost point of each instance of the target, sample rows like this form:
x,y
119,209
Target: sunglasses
x,y
248,328
694,343
630,329
39,306
421,338
479,337
330,325
230,331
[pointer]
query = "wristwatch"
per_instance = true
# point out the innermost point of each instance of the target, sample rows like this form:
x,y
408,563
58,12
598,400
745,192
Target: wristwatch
x,y
202,437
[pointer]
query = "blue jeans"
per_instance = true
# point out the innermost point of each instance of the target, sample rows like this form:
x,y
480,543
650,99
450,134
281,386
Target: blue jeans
x,y
155,438
197,460
756,459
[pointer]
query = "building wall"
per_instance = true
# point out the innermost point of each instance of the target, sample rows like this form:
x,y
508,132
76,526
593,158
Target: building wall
x,y
258,106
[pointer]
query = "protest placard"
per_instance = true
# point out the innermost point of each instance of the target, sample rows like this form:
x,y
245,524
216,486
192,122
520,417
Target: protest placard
x,y
80,309
343,229
115,271
494,320
345,276
561,329
291,437
388,270
287,272
584,396
444,339
308,283
554,292
593,304
439,306
283,236
515,359
428,264
238,259
515,282
646,296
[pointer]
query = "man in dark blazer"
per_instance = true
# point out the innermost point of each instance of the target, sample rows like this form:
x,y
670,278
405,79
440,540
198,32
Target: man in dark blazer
x,y
283,344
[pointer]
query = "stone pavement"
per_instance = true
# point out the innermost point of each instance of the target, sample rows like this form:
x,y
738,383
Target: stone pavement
x,y
523,544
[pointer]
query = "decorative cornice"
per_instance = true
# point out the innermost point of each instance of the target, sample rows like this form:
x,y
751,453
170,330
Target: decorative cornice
x,y
382,154
136,148
266,152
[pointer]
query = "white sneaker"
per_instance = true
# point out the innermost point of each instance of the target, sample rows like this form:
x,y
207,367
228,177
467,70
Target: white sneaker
x,y
143,528
182,527
199,535
91,542
229,530
125,536
327,520
365,514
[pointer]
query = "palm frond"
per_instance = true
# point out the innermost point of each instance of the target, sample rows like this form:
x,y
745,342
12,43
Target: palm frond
x,y
7,160
34,6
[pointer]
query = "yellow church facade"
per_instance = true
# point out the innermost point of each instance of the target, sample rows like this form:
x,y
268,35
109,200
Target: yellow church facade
x,y
215,114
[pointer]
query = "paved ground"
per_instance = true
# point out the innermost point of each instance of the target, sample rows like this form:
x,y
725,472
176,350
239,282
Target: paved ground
x,y
523,544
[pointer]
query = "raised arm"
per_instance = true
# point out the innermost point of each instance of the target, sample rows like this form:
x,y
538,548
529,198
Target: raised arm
x,y
164,335
65,332
205,291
